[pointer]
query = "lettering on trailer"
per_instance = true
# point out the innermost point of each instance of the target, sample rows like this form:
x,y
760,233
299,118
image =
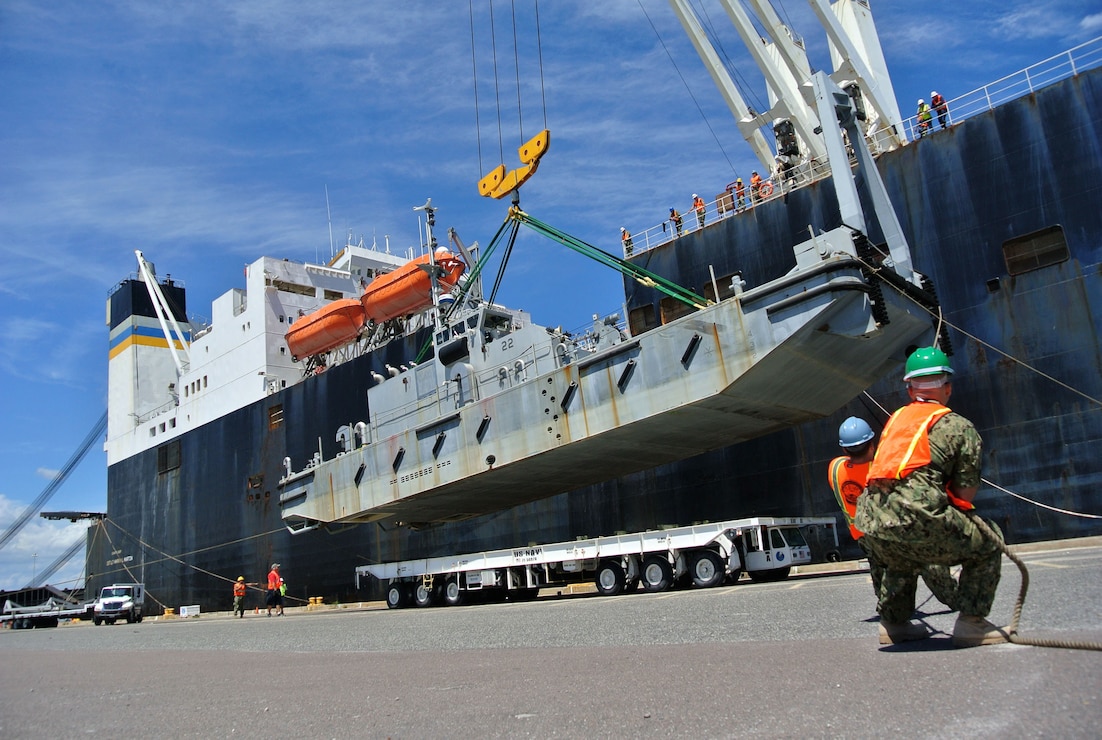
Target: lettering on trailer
x,y
527,554
119,561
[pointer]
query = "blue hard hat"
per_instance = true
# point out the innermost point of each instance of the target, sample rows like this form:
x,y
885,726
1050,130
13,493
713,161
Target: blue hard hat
x,y
854,432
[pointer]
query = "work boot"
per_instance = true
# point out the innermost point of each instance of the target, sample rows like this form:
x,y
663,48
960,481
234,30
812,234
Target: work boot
x,y
892,633
972,631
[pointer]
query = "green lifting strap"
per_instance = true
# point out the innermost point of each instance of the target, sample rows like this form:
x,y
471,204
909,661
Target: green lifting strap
x,y
635,272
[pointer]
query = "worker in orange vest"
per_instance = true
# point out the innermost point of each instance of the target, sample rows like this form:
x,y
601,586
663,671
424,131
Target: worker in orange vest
x,y
940,107
740,195
698,206
755,186
916,508
848,474
239,588
625,239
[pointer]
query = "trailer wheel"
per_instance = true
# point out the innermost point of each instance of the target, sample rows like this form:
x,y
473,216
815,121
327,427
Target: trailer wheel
x,y
396,595
453,595
707,569
422,595
657,573
610,578
768,576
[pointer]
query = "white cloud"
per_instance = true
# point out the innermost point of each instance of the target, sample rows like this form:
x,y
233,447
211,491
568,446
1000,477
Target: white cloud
x,y
36,547
47,473
1091,24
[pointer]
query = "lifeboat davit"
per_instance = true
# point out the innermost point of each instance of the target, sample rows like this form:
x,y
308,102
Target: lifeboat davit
x,y
409,288
330,327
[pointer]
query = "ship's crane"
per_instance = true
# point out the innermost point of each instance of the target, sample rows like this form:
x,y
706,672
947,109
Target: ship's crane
x,y
858,62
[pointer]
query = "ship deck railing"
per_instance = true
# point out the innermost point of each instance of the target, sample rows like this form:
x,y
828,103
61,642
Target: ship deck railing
x,y
1086,56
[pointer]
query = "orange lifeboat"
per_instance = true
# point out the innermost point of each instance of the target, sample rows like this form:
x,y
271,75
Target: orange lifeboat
x,y
409,288
333,326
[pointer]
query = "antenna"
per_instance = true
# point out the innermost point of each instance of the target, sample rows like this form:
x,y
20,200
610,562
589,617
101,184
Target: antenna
x,y
329,216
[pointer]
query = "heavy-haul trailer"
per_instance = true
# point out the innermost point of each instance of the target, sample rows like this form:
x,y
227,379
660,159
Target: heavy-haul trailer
x,y
704,555
48,614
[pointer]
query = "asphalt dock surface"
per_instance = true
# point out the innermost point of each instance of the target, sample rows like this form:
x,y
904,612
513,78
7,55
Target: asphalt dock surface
x,y
799,658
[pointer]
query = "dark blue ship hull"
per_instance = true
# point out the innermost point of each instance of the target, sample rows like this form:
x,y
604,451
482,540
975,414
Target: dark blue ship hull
x,y
961,195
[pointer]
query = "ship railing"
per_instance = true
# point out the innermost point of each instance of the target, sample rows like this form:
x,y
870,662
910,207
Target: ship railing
x,y
726,204
1019,84
1086,56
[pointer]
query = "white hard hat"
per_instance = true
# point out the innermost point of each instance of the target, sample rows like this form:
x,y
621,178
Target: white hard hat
x,y
622,229
921,101
695,195
933,93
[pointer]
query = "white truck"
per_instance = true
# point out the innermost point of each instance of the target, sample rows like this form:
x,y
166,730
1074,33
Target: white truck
x,y
119,601
704,555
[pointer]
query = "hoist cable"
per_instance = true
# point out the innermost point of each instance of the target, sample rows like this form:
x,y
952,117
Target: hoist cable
x,y
688,89
539,51
497,85
474,80
516,66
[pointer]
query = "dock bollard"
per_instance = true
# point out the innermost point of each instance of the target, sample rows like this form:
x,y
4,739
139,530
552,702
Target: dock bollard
x,y
170,613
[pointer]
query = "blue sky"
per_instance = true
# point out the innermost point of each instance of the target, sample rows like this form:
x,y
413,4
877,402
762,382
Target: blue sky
x,y
206,134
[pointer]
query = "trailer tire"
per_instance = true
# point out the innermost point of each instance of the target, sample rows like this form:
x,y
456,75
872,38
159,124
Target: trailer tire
x,y
422,595
610,578
707,569
657,573
397,595
769,576
453,595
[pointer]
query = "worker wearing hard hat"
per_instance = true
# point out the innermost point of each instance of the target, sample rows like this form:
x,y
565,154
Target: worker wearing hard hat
x,y
848,474
239,589
921,483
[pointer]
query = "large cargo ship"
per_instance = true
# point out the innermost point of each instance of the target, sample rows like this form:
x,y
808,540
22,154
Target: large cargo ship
x,y
196,450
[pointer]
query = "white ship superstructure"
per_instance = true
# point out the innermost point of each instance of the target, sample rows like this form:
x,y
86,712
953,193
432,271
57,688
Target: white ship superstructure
x,y
158,390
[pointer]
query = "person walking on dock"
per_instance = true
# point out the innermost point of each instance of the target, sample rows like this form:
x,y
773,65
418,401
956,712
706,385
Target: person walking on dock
x,y
848,474
275,595
922,480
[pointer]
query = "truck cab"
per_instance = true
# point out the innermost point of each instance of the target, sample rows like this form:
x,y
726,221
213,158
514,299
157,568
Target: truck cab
x,y
769,552
119,601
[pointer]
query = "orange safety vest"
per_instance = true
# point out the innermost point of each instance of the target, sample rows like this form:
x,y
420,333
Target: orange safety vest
x,y
755,183
239,589
698,204
905,445
847,480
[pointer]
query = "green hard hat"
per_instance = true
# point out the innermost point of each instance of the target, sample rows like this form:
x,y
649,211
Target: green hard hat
x,y
927,361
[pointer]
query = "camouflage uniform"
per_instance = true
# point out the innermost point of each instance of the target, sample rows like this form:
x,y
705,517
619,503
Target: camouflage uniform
x,y
909,523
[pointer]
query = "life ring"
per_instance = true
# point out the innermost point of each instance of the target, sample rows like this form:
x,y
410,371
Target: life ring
x,y
765,189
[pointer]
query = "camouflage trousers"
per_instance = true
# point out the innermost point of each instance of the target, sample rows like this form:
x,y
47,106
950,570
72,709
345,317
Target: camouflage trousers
x,y
938,578
903,561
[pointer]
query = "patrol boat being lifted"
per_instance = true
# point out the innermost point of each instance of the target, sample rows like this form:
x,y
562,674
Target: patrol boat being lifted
x,y
507,412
